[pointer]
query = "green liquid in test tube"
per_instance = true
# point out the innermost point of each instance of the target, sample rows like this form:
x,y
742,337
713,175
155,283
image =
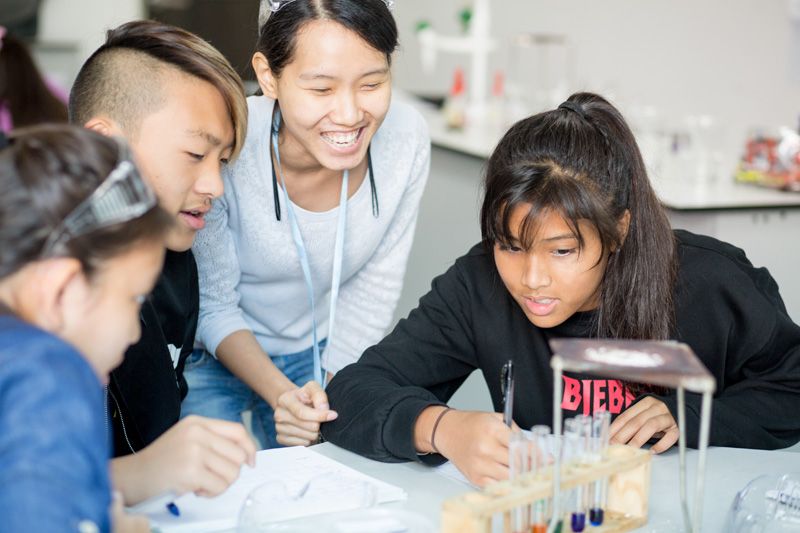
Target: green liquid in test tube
x,y
539,463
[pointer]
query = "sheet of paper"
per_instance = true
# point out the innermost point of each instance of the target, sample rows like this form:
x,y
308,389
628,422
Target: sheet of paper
x,y
333,486
449,470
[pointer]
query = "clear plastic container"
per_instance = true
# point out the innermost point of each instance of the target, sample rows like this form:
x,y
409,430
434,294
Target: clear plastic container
x,y
768,504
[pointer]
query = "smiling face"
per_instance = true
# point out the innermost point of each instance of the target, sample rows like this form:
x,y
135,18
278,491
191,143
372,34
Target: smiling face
x,y
180,149
334,95
555,277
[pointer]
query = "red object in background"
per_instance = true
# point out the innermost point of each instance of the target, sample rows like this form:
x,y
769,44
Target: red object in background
x,y
498,86
761,165
761,153
458,87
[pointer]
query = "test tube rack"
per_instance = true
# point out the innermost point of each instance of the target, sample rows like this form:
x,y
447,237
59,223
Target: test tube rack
x,y
628,473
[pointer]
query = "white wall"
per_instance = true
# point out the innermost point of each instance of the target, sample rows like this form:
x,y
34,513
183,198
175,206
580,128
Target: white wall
x,y
735,60
738,61
72,29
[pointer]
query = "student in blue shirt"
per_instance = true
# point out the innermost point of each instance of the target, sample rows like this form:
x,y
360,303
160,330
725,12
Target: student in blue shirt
x,y
81,244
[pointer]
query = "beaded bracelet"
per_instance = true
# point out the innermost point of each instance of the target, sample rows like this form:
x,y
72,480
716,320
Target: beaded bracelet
x,y
436,425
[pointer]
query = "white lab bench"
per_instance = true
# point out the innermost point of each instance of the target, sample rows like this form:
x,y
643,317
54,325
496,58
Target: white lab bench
x,y
427,490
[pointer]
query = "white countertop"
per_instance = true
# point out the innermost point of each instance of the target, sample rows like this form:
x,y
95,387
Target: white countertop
x,y
721,195
427,489
675,194
477,142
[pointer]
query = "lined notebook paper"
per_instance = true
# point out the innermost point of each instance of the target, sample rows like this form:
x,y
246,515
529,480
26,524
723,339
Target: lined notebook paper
x,y
295,467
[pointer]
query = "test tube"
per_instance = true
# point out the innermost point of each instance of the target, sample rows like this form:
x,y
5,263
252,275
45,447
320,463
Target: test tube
x,y
583,425
575,445
539,454
518,464
601,421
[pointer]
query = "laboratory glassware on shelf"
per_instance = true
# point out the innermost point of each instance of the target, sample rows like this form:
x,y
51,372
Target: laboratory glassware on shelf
x,y
541,72
477,43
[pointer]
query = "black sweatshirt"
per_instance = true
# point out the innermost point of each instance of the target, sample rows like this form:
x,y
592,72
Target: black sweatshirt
x,y
728,311
146,390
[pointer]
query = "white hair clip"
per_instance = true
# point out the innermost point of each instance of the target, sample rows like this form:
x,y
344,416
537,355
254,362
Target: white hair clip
x,y
121,197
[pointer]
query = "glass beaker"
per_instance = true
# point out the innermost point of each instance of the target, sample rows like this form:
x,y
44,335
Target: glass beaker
x,y
768,504
541,72
271,506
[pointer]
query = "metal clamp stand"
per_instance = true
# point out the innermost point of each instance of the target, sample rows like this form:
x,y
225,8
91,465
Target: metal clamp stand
x,y
666,363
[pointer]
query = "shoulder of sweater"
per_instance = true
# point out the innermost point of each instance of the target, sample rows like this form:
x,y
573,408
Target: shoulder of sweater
x,y
259,111
16,332
476,265
258,107
704,252
30,350
719,267
471,281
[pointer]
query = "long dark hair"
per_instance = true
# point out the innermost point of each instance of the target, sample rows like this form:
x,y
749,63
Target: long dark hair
x,y
369,19
46,172
23,89
582,161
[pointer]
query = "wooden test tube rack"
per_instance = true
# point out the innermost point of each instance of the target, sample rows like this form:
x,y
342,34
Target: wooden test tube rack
x,y
628,472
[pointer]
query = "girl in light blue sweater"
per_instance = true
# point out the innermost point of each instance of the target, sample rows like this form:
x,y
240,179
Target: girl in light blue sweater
x,y
302,260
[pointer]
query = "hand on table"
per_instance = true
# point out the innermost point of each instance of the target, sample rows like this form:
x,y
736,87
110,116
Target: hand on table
x,y
644,420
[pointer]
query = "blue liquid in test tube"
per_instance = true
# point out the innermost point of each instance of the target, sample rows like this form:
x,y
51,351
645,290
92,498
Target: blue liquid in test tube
x,y
601,421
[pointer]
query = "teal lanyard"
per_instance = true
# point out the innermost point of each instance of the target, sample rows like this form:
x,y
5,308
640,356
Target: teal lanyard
x,y
338,253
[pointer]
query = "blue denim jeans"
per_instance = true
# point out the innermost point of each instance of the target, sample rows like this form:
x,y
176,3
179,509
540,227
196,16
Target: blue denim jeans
x,y
216,393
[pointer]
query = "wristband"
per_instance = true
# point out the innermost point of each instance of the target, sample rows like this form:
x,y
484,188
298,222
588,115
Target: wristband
x,y
436,425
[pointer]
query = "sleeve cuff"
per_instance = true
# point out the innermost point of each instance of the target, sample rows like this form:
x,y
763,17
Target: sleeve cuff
x,y
398,431
212,335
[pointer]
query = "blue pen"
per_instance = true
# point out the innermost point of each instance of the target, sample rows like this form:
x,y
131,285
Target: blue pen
x,y
156,504
173,509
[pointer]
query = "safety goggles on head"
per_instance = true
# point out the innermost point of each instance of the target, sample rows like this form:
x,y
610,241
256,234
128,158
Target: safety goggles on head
x,y
121,197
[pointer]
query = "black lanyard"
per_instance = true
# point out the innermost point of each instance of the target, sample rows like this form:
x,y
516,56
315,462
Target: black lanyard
x,y
276,196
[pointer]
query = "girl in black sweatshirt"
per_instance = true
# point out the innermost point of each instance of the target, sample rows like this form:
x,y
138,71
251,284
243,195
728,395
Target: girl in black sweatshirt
x,y
575,244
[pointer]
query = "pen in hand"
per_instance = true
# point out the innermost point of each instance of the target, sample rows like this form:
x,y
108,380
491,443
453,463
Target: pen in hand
x,y
507,388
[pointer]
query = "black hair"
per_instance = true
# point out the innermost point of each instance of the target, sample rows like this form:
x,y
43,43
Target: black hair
x,y
582,162
123,78
369,19
46,172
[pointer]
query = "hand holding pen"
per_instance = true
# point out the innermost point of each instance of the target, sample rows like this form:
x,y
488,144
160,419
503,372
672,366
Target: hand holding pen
x,y
476,442
197,454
